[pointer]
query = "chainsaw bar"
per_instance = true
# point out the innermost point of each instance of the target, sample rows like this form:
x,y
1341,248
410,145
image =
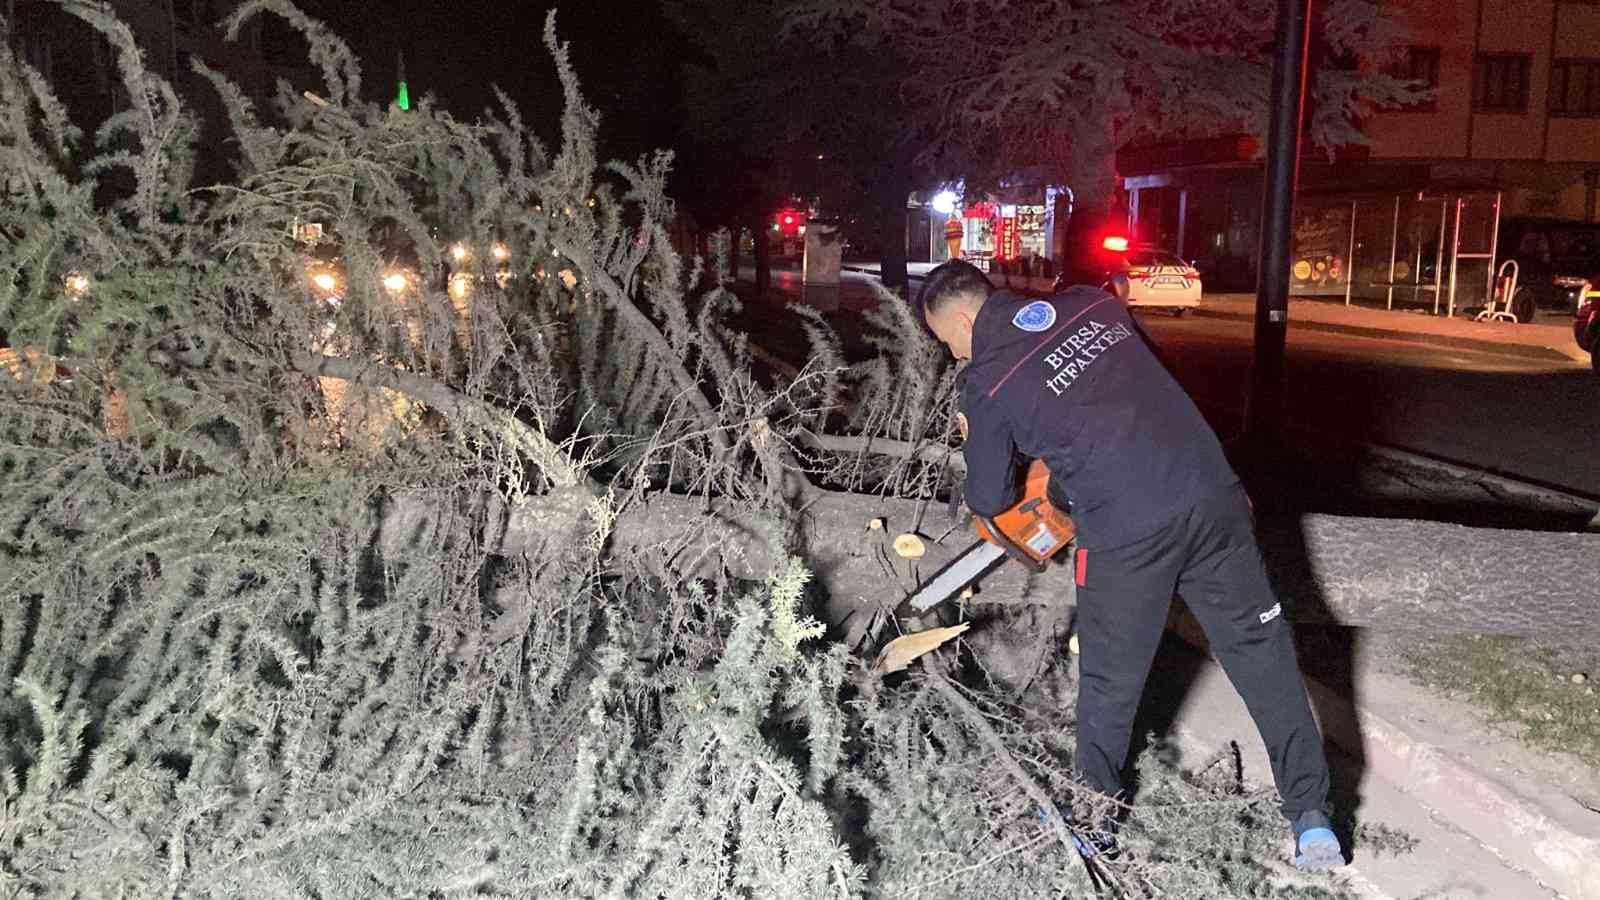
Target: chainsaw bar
x,y
948,581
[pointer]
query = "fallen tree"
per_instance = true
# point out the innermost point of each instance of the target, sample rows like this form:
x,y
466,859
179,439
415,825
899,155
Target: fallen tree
x,y
1399,575
487,566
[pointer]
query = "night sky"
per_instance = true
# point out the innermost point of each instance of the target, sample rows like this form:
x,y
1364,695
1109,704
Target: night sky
x,y
626,53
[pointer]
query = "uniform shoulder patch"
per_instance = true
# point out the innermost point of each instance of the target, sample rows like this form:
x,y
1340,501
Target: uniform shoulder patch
x,y
1036,316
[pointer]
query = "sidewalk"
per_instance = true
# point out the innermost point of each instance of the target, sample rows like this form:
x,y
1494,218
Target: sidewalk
x,y
1536,340
1541,341
914,269
1492,817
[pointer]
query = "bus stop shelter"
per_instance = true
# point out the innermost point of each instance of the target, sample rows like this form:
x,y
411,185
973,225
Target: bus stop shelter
x,y
1430,250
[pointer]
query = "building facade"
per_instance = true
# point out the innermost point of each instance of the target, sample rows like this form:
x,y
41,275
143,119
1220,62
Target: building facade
x,y
1415,218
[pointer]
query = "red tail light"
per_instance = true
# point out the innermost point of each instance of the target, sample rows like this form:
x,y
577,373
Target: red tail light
x,y
1138,274
1191,272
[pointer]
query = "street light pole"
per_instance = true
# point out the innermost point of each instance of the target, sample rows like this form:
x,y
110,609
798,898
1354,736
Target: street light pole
x,y
1264,405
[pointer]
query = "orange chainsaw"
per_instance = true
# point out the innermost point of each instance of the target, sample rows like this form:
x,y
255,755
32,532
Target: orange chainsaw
x,y
1030,532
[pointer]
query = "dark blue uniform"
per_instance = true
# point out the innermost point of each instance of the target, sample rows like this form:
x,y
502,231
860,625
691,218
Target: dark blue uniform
x,y
1070,380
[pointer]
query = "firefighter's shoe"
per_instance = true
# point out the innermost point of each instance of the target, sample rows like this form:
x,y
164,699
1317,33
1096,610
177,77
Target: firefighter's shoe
x,y
1316,846
1097,845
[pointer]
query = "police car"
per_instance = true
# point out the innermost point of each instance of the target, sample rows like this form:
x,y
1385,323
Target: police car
x,y
1143,276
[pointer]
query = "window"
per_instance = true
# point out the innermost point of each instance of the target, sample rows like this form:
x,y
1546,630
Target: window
x,y
1154,258
1573,243
1500,84
1534,246
1575,87
1419,65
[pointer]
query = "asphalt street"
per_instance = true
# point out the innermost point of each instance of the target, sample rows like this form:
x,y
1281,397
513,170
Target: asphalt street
x,y
1526,417
1535,419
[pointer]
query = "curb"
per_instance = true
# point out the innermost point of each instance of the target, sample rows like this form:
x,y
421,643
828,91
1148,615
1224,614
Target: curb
x,y
910,276
1520,831
1505,481
1500,347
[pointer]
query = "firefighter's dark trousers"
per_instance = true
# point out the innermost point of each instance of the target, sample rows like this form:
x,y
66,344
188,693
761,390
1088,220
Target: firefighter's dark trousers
x,y
1208,556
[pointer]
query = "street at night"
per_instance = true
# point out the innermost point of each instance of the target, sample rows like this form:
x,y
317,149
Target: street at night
x,y
1531,418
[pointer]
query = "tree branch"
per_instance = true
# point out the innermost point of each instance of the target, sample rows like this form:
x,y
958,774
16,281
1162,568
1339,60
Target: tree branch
x,y
1066,833
933,454
456,406
641,325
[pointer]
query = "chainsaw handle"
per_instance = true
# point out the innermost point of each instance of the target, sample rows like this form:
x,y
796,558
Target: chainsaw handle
x,y
1010,547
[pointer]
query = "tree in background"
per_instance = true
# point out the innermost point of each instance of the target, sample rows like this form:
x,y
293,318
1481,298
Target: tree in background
x,y
998,87
785,99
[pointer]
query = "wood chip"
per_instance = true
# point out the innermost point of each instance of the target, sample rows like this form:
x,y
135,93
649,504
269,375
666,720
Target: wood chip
x,y
876,524
1072,645
901,651
909,546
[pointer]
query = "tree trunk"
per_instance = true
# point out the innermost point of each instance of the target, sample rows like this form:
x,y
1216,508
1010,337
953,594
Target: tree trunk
x,y
892,222
1404,576
761,239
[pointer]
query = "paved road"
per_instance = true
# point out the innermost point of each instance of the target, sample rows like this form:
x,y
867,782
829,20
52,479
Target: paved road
x,y
854,294
1535,419
1530,418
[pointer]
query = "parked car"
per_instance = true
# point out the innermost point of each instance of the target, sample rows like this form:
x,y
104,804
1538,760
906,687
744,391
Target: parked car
x,y
1586,327
1555,258
1143,276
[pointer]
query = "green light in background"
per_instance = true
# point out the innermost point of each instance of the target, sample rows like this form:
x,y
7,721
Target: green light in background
x,y
402,95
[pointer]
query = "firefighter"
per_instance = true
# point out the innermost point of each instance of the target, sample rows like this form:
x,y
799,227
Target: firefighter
x,y
1070,380
952,235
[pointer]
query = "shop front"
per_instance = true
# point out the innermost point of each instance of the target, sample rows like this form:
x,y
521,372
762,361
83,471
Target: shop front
x,y
1425,246
1428,250
992,232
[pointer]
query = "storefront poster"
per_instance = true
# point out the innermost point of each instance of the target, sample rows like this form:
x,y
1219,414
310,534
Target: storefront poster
x,y
1005,238
1321,239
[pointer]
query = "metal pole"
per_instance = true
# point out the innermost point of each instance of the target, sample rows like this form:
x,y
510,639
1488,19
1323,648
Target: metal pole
x,y
1394,242
1455,260
1416,273
1350,256
1183,219
1494,250
1265,402
1438,254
